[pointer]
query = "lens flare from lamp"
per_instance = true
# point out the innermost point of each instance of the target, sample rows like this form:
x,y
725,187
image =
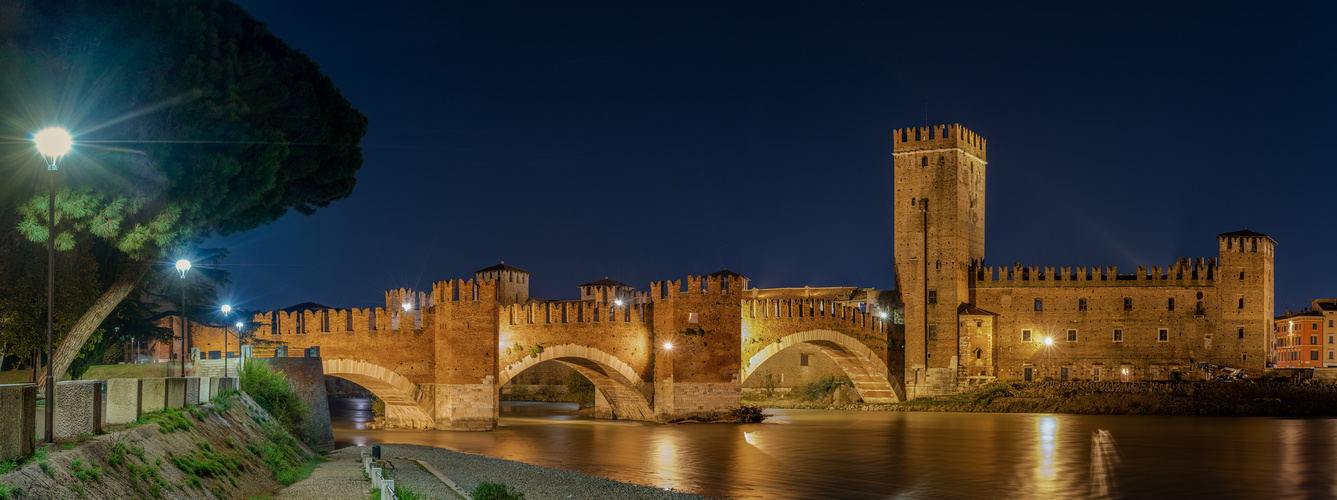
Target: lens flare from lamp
x,y
618,302
227,308
53,143
882,315
1049,340
183,266
668,346
239,325
407,306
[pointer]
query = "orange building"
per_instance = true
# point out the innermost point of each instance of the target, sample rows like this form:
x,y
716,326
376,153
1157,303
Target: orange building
x,y
1300,339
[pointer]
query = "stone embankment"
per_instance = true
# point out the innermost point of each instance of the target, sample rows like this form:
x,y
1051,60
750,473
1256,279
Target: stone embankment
x,y
1118,398
230,448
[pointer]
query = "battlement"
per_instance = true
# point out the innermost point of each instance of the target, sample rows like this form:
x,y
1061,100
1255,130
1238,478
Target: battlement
x,y
459,291
812,309
1186,272
952,136
575,311
698,285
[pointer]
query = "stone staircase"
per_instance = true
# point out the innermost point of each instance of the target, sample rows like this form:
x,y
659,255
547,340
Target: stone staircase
x,y
214,367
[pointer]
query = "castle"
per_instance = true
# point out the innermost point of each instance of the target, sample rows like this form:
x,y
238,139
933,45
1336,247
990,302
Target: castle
x,y
438,358
966,322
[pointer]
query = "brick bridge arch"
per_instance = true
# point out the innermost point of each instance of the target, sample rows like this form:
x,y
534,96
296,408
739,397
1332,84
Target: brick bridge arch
x,y
402,397
866,370
625,391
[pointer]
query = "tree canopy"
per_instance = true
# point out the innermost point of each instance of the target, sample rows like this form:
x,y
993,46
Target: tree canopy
x,y
190,119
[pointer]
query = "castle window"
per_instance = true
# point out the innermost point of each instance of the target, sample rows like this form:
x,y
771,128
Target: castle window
x,y
923,162
937,265
803,360
979,323
1241,333
1081,304
912,201
1127,303
1072,335
1118,335
932,297
1163,335
1241,274
933,332
1039,304
1241,303
1171,305
978,353
1025,335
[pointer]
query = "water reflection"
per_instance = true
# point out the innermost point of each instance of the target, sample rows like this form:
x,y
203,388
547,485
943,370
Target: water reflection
x,y
834,454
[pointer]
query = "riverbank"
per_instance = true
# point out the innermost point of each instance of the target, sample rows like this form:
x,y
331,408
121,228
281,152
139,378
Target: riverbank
x,y
1111,398
468,471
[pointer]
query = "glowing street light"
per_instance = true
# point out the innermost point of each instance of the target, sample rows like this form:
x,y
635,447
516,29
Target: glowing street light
x,y
882,315
228,309
1049,341
408,307
183,267
53,144
618,302
668,346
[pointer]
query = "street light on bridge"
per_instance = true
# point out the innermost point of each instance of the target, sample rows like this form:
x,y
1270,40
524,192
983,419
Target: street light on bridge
x,y
52,143
183,267
227,309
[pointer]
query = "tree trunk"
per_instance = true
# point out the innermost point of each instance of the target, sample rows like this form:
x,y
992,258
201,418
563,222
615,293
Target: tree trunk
x,y
88,323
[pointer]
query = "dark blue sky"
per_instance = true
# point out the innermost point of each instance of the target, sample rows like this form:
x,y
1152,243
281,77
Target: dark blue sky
x,y
651,140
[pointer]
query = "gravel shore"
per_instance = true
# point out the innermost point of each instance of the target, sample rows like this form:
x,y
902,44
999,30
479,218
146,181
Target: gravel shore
x,y
537,483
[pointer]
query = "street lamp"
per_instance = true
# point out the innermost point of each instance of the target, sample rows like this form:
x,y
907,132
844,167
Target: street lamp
x,y
183,267
227,309
53,144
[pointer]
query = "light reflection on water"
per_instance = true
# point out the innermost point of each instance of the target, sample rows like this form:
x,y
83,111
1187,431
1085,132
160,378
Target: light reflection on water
x,y
846,454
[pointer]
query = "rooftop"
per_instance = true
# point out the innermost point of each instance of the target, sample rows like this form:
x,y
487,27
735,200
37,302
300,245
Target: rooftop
x,y
502,267
1247,232
608,283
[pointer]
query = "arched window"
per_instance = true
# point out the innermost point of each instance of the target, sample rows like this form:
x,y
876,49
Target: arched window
x,y
923,162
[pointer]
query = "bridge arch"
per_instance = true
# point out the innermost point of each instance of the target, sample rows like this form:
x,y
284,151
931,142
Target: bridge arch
x,y
865,369
627,394
402,397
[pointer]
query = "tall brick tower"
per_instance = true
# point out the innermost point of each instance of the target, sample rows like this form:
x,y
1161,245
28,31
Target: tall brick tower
x,y
939,234
1245,297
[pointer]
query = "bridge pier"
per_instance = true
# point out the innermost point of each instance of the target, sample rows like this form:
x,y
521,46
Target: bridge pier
x,y
466,407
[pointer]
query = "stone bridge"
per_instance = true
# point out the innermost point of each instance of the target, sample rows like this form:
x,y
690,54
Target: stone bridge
x,y
439,358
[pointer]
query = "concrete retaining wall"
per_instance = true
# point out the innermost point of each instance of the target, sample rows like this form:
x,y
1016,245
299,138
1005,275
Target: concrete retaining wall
x,y
78,408
124,400
153,394
176,392
192,391
18,419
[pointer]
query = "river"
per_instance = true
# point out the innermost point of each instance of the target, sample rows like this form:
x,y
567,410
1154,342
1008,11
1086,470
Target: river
x,y
853,454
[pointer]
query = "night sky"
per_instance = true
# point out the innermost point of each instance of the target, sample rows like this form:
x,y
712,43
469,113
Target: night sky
x,y
652,140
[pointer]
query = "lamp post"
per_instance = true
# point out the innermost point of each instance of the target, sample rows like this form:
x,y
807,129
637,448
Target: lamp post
x,y
183,267
227,309
239,325
53,144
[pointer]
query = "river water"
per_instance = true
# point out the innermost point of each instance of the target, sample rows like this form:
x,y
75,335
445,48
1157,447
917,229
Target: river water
x,y
853,454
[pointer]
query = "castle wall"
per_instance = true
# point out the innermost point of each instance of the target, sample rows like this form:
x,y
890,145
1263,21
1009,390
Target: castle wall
x,y
700,373
623,332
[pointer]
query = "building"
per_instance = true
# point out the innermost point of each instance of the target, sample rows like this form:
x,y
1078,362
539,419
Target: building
x,y
1305,339
968,323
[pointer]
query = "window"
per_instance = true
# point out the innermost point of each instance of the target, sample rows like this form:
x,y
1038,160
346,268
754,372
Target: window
x,y
1241,274
1095,374
923,162
1313,355
1329,354
1118,335
1241,303
978,352
1039,304
1241,333
1027,374
1329,339
1127,303
1171,305
1025,335
933,332
1072,335
1329,323
932,297
937,265
1081,304
1313,340
803,360
1063,374
1163,335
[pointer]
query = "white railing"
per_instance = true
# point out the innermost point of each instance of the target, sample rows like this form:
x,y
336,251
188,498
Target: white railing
x,y
378,481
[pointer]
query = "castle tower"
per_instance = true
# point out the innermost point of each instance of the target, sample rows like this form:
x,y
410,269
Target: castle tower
x,y
512,282
1244,285
939,218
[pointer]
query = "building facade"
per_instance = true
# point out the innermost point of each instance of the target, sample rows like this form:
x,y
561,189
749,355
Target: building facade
x,y
1307,339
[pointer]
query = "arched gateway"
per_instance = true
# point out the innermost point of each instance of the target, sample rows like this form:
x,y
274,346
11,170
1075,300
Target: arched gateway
x,y
626,394
403,407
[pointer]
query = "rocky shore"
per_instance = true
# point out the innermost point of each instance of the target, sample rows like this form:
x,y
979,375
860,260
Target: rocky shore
x,y
1112,398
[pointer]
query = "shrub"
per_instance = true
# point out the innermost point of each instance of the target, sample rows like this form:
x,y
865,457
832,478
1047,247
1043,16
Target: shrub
x,y
496,491
747,414
378,407
821,388
272,392
579,389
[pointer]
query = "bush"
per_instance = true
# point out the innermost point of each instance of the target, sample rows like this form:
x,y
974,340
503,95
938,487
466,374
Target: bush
x,y
821,388
579,389
272,392
496,491
748,414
